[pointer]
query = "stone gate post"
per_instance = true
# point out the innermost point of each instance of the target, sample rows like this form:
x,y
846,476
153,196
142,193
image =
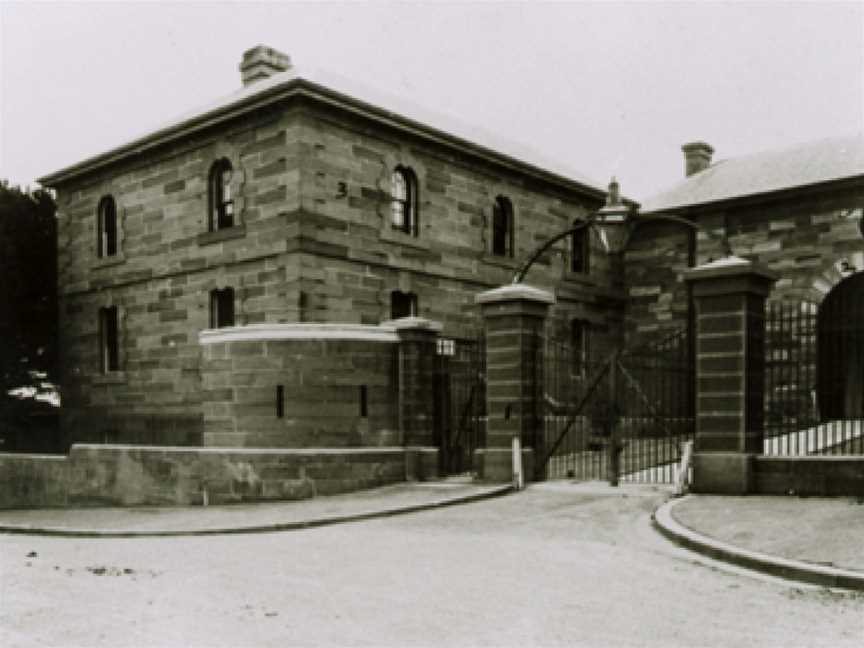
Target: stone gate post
x,y
729,297
514,318
416,356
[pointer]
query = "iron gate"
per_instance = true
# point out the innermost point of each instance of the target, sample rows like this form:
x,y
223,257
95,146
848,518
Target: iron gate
x,y
626,415
814,379
460,402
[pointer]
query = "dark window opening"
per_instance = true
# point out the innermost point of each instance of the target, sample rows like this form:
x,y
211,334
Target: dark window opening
x,y
109,340
221,202
364,401
402,304
403,201
502,227
221,308
579,346
579,250
280,401
107,227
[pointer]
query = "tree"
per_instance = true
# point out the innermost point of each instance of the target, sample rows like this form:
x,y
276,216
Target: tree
x,y
28,297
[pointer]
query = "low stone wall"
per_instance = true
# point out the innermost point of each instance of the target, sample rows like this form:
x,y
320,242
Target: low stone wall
x,y
112,475
809,476
300,385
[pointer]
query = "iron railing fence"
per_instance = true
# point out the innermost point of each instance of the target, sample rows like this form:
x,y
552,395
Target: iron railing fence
x,y
639,399
814,380
460,402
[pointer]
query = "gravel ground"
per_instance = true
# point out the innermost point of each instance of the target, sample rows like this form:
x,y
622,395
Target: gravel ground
x,y
553,566
825,531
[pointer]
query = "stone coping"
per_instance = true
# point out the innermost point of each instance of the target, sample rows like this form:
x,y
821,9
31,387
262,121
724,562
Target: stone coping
x,y
212,450
300,331
731,266
513,292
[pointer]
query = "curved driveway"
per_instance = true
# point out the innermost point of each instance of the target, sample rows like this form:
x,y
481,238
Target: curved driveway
x,y
556,565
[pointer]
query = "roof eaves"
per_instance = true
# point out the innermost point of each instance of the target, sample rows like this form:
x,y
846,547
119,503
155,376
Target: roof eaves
x,y
297,85
755,196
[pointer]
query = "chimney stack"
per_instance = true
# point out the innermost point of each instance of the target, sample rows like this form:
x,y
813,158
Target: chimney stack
x,y
697,157
261,62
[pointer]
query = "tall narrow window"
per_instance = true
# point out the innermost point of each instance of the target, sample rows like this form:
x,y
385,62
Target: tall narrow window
x,y
502,227
579,250
106,224
402,304
221,308
579,346
403,200
109,341
221,200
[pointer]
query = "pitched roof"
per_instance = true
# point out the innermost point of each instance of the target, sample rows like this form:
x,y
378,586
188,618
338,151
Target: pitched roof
x,y
346,93
808,164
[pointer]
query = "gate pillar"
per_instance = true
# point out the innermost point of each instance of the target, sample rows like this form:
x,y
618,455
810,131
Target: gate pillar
x,y
417,348
729,297
514,319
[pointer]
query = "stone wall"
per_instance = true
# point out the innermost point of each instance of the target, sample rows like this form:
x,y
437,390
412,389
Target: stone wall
x,y
161,277
312,243
809,476
807,236
352,259
300,386
108,475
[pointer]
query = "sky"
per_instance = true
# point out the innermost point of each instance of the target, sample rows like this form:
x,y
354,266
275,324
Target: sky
x,y
607,88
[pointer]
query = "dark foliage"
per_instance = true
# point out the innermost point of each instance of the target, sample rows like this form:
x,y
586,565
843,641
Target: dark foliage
x,y
28,296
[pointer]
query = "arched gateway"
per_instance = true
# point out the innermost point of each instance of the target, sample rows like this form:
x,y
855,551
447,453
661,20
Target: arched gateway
x,y
840,343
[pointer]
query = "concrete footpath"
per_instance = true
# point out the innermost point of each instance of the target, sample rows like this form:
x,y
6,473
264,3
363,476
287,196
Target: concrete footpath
x,y
128,522
814,540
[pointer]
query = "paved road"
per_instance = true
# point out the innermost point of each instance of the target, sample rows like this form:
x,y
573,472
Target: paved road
x,y
555,565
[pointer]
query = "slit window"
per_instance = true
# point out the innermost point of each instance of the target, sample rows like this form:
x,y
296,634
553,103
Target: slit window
x,y
364,401
221,202
402,304
280,401
502,227
109,339
221,308
403,200
107,227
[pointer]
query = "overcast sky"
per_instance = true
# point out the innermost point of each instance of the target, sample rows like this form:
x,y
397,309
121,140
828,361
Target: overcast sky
x,y
606,88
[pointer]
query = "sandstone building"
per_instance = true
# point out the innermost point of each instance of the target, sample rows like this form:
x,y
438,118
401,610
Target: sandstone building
x,y
300,198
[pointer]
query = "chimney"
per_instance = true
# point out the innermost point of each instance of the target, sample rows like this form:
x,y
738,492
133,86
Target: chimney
x,y
697,157
261,62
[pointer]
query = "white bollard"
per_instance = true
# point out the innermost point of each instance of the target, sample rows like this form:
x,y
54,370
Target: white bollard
x,y
518,477
683,469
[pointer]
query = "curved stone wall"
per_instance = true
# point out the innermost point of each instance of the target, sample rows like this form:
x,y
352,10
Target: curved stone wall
x,y
337,385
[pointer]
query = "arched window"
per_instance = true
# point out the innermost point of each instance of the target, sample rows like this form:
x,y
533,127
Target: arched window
x,y
502,227
579,249
221,200
106,217
403,200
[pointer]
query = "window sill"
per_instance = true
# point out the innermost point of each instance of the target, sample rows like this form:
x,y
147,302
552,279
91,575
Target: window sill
x,y
506,262
107,262
110,378
224,234
397,236
580,278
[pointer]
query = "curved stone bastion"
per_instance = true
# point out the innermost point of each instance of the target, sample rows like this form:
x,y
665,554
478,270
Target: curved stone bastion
x,y
300,386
